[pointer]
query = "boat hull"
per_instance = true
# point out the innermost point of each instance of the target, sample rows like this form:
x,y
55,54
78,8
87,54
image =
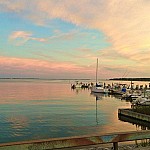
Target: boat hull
x,y
99,90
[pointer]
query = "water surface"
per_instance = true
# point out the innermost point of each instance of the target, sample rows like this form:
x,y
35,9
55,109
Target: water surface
x,y
40,109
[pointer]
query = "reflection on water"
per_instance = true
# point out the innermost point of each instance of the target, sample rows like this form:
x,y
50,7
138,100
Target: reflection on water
x,y
98,96
41,109
140,125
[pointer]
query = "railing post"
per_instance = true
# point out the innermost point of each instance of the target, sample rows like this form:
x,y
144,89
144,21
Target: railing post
x,y
115,145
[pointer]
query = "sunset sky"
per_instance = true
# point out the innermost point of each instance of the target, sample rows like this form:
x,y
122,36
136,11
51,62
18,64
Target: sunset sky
x,y
63,38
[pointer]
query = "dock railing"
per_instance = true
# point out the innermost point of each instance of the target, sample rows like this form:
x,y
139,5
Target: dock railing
x,y
70,142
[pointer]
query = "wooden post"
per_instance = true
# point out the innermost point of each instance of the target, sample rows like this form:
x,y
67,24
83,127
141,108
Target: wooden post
x,y
131,85
115,145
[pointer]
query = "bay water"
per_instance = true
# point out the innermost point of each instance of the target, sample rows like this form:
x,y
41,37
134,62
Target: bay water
x,y
42,109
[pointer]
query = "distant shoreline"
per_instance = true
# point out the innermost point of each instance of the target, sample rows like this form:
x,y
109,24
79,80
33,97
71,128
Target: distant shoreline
x,y
42,79
122,79
131,79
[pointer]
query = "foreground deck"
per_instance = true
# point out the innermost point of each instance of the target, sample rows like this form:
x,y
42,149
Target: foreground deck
x,y
72,142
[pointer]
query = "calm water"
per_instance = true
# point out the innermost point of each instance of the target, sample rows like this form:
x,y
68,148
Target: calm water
x,y
40,109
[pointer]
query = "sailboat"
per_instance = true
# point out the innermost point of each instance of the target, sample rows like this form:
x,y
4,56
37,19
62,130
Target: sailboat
x,y
98,88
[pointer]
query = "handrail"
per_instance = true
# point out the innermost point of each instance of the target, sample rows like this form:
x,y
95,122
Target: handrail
x,y
77,141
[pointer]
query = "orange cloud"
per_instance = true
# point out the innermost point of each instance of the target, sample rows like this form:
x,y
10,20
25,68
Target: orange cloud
x,y
125,23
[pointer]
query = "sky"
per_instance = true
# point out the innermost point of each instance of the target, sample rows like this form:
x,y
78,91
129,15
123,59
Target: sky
x,y
61,39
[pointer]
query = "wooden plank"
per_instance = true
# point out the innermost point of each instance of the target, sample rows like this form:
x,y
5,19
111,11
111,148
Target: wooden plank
x,y
76,141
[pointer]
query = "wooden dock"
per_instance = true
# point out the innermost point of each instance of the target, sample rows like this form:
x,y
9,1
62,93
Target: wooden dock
x,y
135,115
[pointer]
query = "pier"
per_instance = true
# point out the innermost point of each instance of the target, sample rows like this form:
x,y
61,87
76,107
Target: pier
x,y
135,115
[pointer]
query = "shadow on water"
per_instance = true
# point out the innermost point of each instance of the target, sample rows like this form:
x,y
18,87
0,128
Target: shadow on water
x,y
99,96
144,125
116,96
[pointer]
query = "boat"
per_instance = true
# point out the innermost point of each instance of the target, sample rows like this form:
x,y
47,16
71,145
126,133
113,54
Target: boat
x,y
119,89
132,95
145,102
98,88
78,84
141,101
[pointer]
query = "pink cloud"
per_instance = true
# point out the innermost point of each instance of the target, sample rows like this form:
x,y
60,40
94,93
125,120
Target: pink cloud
x,y
20,34
39,68
20,37
125,23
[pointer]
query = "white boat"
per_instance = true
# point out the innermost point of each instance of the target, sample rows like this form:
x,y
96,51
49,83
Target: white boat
x,y
141,101
98,88
145,102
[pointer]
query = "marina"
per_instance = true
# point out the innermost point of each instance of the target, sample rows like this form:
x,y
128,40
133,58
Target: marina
x,y
74,74
41,109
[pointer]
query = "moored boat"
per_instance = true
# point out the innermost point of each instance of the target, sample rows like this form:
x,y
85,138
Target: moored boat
x,y
78,84
98,88
141,101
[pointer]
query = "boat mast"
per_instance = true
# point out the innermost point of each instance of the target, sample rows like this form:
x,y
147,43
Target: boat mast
x,y
96,70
